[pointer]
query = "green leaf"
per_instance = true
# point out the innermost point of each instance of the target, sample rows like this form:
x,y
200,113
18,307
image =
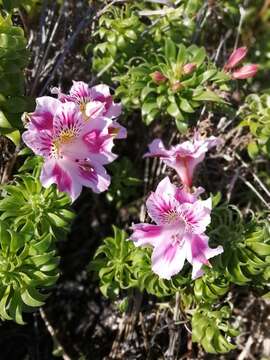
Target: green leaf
x,y
253,149
181,55
181,126
185,106
199,55
207,95
206,75
33,298
146,91
170,50
174,110
148,107
13,135
131,34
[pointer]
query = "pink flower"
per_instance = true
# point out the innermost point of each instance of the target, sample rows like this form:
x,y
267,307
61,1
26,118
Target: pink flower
x,y
236,57
245,72
74,150
94,102
184,157
189,68
158,77
181,220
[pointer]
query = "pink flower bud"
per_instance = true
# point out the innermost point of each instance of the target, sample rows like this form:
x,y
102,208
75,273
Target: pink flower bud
x,y
176,86
236,57
158,77
245,72
189,68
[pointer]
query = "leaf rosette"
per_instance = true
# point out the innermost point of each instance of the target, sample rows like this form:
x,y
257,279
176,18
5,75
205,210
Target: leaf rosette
x,y
28,266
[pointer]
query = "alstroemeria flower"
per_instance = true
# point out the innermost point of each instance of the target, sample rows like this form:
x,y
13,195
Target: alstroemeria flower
x,y
94,102
183,157
74,151
181,220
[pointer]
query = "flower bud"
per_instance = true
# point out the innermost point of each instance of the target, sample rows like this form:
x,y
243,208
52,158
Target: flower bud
x,y
189,68
176,86
245,72
236,57
158,77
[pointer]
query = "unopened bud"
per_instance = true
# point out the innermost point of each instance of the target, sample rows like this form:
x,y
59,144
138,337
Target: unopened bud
x,y
189,68
176,86
245,72
236,57
158,77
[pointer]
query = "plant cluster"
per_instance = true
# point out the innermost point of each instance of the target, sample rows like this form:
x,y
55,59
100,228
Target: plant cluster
x,y
245,262
13,60
255,115
32,219
173,83
130,31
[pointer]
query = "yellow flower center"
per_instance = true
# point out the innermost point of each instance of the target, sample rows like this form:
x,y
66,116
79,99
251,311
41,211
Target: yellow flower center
x,y
66,136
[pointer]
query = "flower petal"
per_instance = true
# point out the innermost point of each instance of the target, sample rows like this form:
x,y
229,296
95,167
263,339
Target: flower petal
x,y
236,57
117,131
168,259
184,196
99,146
157,149
197,215
198,252
94,109
80,91
68,121
162,205
102,93
56,172
42,117
93,175
145,234
245,72
38,141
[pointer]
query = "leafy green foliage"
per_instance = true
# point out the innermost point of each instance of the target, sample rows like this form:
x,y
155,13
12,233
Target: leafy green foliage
x,y
212,330
28,265
210,287
113,262
164,86
256,116
9,5
245,261
122,32
124,183
246,246
31,219
13,59
174,20
119,33
26,201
